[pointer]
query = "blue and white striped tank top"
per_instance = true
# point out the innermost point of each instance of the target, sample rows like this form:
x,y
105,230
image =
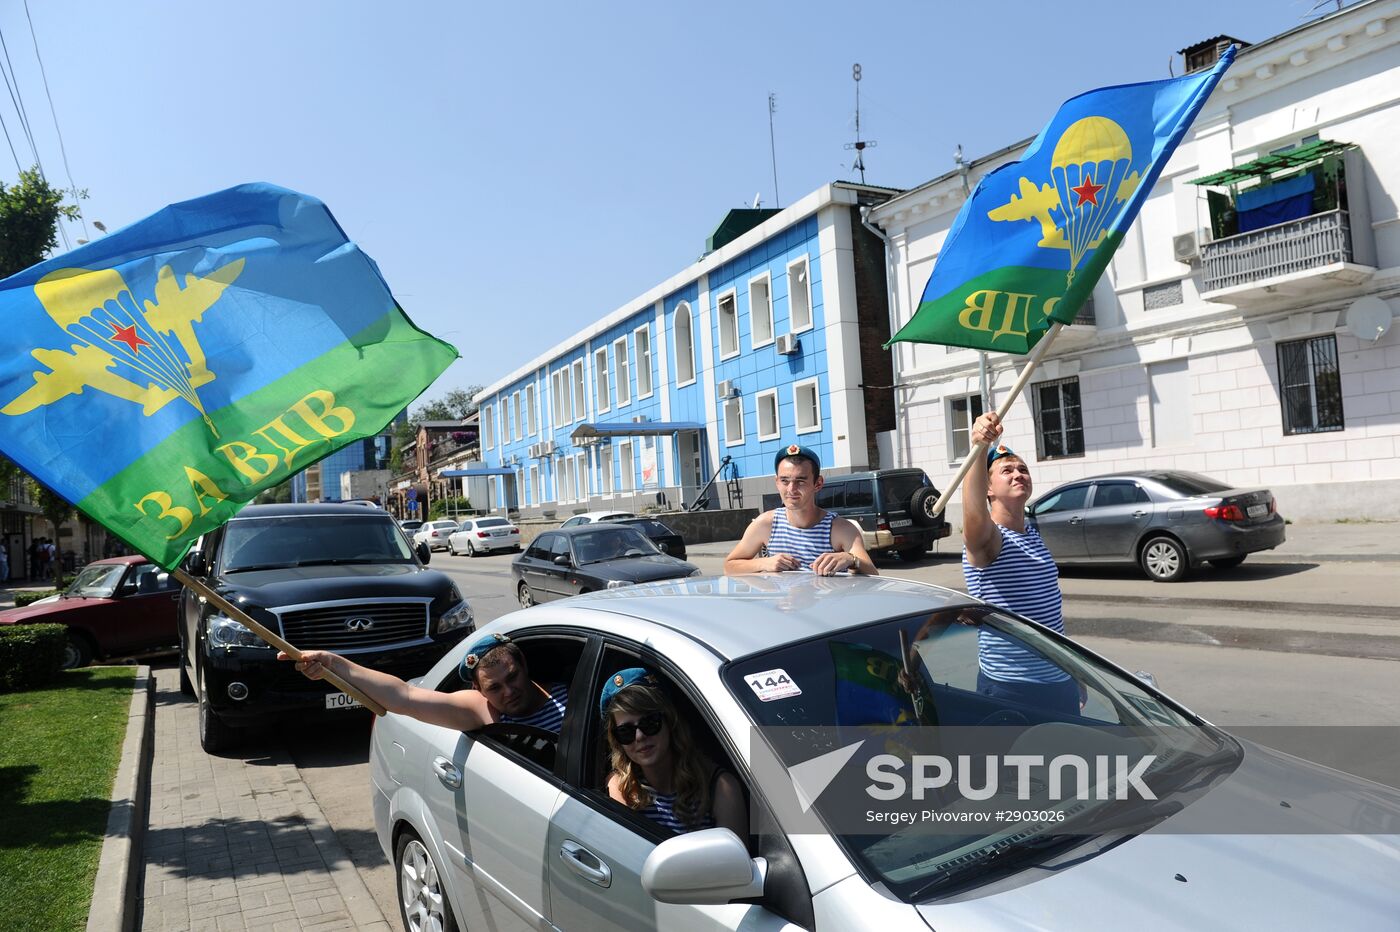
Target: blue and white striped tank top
x,y
1022,579
805,543
662,811
549,716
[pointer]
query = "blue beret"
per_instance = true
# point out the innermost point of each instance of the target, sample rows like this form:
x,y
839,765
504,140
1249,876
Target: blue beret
x,y
477,653
998,451
800,452
620,681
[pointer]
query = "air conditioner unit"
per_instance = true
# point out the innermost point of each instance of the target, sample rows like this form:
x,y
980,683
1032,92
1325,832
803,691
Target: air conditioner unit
x,y
1185,247
787,344
727,389
534,451
546,448
639,419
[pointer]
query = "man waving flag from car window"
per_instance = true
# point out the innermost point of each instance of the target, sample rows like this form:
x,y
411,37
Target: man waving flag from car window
x,y
1027,248
162,376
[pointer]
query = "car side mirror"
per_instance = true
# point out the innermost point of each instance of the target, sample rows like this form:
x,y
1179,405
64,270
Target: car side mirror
x,y
195,564
706,868
563,560
424,552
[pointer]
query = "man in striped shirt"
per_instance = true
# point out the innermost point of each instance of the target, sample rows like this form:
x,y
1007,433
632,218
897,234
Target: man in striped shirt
x,y
1006,564
494,664
799,535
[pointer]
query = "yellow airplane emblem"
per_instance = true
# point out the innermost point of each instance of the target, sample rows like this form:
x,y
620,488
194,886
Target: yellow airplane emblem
x,y
98,310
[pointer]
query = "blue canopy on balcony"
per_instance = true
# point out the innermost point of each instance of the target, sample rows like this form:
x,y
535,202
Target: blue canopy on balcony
x,y
476,471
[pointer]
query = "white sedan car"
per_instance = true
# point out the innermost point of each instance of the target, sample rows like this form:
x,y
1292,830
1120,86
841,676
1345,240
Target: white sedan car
x,y
483,535
512,827
595,517
434,534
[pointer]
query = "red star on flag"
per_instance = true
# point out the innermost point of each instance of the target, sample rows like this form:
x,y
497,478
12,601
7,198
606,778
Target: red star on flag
x,y
128,336
1088,192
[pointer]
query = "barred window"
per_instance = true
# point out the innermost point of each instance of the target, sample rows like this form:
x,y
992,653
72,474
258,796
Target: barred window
x,y
1310,385
1059,427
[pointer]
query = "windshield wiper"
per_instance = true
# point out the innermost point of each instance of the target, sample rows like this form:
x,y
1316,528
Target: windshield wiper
x,y
999,858
263,566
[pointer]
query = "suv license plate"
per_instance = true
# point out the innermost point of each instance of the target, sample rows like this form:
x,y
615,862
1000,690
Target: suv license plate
x,y
1256,511
342,701
901,522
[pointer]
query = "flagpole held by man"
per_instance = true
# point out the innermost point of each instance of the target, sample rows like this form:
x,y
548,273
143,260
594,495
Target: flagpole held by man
x,y
1035,235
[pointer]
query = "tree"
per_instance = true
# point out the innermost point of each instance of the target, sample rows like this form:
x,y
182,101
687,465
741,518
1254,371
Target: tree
x,y
454,406
29,213
280,494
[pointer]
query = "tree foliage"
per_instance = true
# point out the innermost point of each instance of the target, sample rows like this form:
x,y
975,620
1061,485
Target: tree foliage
x,y
454,406
29,213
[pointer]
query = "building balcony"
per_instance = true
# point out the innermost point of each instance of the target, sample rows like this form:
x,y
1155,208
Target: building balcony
x,y
1288,260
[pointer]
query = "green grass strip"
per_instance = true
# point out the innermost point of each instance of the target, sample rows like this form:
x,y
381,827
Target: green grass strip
x,y
59,749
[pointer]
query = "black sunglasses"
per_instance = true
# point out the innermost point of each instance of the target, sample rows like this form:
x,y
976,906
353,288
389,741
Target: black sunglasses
x,y
649,724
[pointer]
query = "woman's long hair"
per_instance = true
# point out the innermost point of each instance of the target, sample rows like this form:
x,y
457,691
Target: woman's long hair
x,y
689,769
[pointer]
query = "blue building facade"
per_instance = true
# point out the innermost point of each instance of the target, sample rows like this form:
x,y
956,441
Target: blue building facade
x,y
709,374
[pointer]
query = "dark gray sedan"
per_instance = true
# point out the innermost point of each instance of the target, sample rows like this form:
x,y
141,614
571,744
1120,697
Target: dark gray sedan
x,y
590,557
1166,521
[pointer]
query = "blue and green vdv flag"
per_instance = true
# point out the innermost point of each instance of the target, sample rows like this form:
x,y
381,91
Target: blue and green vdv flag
x,y
1036,234
162,376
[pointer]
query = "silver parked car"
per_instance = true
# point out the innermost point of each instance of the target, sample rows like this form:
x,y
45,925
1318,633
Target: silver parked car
x,y
1165,521
511,827
483,535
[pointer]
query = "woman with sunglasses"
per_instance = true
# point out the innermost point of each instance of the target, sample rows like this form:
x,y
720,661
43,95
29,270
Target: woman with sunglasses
x,y
656,769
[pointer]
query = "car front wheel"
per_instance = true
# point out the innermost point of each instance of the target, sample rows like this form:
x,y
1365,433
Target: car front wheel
x,y
1165,560
422,898
77,651
526,597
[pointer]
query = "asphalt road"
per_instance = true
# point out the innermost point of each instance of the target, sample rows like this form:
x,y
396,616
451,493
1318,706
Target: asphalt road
x,y
1265,664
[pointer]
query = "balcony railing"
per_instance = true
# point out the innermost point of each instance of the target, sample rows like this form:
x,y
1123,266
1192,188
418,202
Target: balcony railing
x,y
1296,246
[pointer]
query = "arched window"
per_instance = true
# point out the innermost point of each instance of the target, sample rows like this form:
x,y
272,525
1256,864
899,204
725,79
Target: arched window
x,y
685,345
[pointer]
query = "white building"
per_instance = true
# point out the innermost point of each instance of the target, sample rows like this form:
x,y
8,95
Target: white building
x,y
1261,358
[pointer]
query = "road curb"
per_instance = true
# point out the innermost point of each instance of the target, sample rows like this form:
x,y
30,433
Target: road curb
x,y
1240,605
115,898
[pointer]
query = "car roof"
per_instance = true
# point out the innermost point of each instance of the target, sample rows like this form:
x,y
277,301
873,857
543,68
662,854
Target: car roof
x,y
876,474
735,616
580,528
128,560
317,508
595,515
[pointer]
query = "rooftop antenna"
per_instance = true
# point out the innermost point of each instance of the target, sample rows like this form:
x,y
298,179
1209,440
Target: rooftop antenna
x,y
963,167
772,147
859,145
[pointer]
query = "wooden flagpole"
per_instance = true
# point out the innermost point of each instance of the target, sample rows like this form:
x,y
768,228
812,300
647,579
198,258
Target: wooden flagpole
x,y
205,591
980,449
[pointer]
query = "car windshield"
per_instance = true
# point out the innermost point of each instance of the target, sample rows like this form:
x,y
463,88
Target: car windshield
x,y
855,679
97,581
492,522
1189,484
305,540
612,543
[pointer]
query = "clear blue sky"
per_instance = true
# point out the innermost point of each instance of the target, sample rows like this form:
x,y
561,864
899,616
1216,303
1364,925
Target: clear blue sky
x,y
519,170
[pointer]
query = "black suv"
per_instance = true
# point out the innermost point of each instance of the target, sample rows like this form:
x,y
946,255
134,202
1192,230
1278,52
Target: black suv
x,y
330,577
894,508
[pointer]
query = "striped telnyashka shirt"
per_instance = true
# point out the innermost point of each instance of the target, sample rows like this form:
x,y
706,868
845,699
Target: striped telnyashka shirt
x,y
1022,579
662,811
549,716
805,543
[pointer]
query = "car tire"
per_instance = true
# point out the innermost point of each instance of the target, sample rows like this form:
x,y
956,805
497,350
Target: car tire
x,y
186,684
77,651
524,595
1164,559
921,506
1228,563
471,550
451,548
215,735
423,903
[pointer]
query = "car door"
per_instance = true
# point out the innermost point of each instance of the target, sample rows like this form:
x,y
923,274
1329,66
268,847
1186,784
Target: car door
x,y
533,565
147,610
1060,519
556,577
1119,511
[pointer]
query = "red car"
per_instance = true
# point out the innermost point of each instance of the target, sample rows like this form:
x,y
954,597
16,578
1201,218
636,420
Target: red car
x,y
115,608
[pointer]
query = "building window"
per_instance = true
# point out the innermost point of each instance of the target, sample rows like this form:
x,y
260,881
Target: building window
x,y
624,460
768,427
559,397
642,337
535,490
1059,427
733,422
760,311
605,467
504,417
585,480
623,367
580,392
488,427
1310,386
685,345
519,419
602,396
799,296
807,408
962,411
532,408
728,325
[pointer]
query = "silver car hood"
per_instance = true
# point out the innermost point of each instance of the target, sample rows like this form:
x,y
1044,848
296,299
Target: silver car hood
x,y
1163,880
